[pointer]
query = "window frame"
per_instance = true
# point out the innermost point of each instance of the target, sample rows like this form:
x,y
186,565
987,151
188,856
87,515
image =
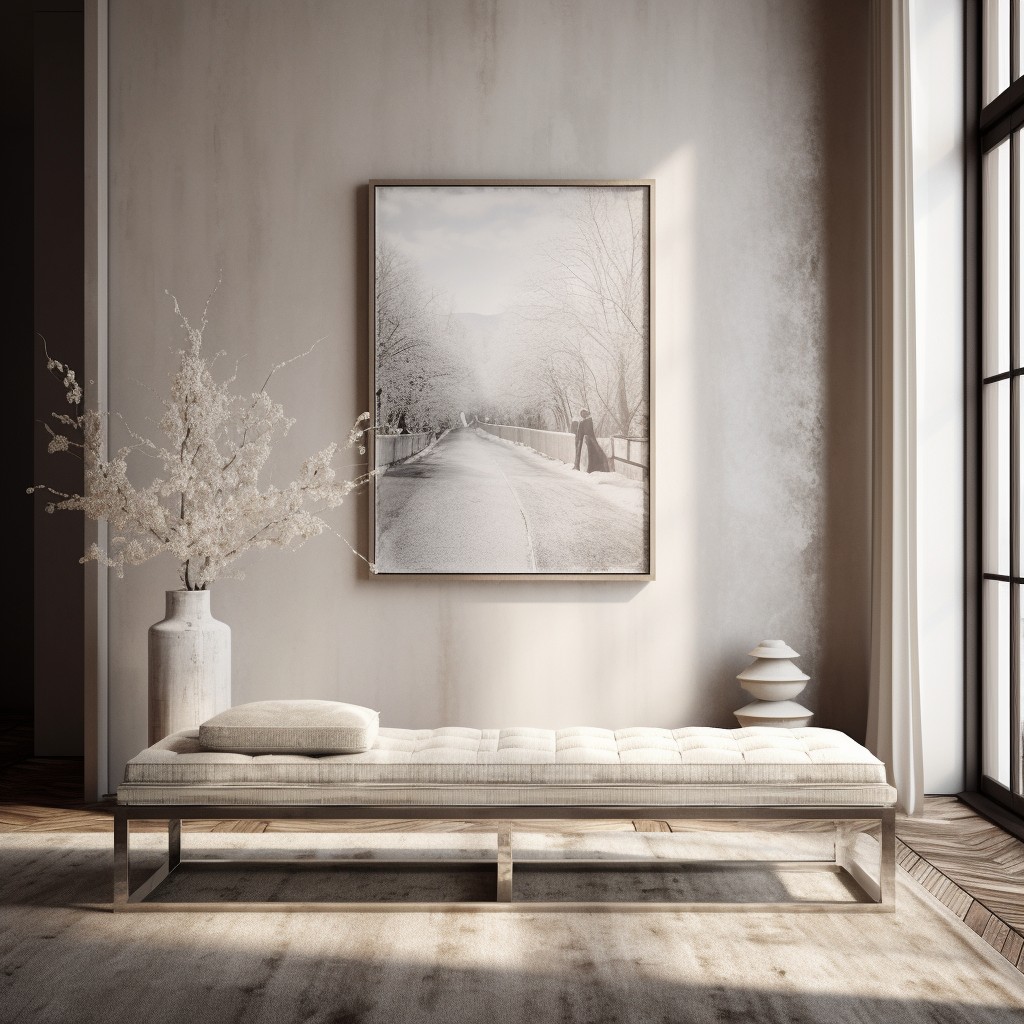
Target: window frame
x,y
986,127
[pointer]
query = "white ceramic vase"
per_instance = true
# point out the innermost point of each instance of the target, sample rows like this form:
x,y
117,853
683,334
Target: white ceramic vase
x,y
189,665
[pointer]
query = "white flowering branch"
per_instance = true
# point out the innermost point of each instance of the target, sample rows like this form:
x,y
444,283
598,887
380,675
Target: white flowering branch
x,y
207,508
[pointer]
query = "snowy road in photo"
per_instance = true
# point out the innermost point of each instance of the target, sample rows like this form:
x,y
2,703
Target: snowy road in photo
x,y
473,503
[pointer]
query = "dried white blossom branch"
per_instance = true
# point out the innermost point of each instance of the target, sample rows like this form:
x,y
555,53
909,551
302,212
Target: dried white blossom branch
x,y
207,508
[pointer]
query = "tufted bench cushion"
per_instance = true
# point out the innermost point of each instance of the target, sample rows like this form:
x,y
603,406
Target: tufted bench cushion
x,y
522,766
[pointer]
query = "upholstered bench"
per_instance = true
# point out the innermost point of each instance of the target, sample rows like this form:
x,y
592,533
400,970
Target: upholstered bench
x,y
504,775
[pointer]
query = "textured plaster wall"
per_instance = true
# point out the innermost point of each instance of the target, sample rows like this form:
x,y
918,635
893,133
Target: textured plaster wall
x,y
242,135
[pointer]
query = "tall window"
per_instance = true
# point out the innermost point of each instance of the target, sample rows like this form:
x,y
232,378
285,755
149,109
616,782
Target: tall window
x,y
1002,416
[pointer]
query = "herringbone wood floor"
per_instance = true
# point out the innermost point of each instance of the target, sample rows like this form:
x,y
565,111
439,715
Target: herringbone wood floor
x,y
974,867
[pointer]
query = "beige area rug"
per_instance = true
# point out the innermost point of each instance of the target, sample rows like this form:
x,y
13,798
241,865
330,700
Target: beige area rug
x,y
61,961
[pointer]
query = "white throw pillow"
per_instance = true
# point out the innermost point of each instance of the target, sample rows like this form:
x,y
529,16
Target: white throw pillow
x,y
291,727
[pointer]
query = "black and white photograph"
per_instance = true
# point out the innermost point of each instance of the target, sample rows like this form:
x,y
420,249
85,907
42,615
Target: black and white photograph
x,y
511,378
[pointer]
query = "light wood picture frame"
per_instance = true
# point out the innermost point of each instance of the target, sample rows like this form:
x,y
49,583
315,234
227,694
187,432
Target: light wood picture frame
x,y
511,379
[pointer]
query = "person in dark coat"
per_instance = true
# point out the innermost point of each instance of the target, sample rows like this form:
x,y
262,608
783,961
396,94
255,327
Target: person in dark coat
x,y
597,461
574,429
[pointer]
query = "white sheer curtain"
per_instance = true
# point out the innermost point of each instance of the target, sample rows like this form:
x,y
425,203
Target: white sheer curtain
x,y
894,718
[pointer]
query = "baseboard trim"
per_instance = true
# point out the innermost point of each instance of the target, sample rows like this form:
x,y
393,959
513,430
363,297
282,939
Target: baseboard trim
x,y
1006,820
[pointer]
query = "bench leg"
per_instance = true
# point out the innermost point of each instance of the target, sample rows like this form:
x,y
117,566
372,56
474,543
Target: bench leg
x,y
845,841
882,888
887,859
173,843
121,859
505,862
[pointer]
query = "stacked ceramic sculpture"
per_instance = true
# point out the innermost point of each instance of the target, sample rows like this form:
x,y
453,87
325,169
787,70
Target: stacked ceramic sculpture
x,y
773,680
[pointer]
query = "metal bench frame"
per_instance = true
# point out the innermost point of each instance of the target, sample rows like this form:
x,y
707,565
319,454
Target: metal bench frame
x,y
875,894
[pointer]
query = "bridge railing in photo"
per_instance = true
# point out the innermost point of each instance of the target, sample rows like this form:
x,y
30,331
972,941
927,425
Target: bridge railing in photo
x,y
391,448
627,456
631,457
556,444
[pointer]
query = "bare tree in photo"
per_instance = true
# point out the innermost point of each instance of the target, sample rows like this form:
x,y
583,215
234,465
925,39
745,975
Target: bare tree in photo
x,y
422,375
592,306
555,376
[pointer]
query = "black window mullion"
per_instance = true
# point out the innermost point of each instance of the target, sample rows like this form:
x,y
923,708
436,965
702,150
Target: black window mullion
x,y
1003,116
1014,40
1014,339
1002,120
1005,375
1014,446
1014,717
1015,692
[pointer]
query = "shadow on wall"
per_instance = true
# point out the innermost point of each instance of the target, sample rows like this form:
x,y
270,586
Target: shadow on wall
x,y
844,665
785,375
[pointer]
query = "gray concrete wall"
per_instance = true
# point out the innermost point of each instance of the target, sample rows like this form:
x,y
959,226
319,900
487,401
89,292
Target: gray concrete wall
x,y
242,136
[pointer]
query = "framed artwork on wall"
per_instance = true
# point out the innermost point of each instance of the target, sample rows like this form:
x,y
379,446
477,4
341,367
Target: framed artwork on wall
x,y
511,377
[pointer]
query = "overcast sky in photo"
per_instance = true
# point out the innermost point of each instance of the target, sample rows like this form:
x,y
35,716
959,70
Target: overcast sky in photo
x,y
476,244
